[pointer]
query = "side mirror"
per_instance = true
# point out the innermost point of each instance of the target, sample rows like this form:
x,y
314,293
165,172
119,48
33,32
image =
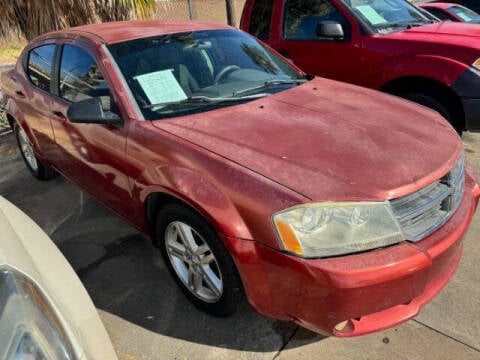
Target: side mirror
x,y
90,111
330,30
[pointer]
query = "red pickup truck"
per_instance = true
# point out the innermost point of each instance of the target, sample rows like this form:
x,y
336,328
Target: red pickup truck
x,y
389,45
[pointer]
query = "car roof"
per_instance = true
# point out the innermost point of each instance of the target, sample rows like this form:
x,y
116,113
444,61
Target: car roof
x,y
439,5
120,31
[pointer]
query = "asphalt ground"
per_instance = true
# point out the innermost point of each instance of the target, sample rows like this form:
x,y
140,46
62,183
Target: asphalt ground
x,y
148,317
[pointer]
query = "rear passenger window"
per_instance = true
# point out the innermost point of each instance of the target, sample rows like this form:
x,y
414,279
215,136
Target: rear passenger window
x,y
80,77
40,61
261,18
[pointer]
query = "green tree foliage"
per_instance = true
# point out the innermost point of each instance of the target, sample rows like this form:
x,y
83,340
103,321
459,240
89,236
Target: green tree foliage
x,y
30,18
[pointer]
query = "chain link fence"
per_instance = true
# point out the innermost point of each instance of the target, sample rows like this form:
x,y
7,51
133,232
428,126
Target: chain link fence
x,y
207,10
4,126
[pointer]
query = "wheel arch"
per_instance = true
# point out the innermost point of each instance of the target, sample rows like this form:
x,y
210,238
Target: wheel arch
x,y
216,217
428,86
14,116
154,202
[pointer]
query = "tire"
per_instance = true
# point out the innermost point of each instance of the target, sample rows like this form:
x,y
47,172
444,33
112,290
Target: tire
x,y
32,162
433,103
197,272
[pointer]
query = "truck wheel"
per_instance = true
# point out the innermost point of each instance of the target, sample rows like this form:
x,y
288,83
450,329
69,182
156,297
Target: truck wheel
x,y
432,103
34,165
198,260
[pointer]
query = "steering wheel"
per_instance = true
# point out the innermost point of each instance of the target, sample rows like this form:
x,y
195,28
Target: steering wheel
x,y
227,69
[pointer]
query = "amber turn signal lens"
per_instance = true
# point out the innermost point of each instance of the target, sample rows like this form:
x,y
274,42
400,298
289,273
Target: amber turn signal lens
x,y
476,63
288,237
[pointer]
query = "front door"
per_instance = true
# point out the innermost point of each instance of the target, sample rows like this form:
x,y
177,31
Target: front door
x,y
92,155
298,40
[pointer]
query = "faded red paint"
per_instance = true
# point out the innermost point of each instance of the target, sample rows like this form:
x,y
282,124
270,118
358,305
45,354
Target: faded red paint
x,y
237,166
443,7
440,53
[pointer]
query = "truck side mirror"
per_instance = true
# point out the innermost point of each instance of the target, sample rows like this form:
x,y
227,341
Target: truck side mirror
x,y
330,30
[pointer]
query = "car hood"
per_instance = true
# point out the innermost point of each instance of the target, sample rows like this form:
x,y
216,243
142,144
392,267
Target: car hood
x,y
328,140
448,28
448,32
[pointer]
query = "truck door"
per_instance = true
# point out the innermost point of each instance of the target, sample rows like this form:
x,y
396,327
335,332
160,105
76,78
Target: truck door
x,y
295,35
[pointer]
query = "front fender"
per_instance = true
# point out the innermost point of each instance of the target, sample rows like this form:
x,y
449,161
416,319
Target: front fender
x,y
198,192
442,69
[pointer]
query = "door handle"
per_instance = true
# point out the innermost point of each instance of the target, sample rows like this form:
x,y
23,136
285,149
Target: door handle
x,y
59,115
284,53
20,94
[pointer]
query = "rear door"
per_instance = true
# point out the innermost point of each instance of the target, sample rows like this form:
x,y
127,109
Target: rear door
x,y
33,94
93,155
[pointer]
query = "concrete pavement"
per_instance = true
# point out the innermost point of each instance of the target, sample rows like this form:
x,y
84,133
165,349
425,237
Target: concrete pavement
x,y
149,318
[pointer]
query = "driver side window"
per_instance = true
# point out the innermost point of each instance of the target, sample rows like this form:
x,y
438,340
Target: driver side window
x,y
302,17
80,77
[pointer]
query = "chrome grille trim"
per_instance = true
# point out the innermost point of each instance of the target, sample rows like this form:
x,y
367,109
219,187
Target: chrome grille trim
x,y
421,213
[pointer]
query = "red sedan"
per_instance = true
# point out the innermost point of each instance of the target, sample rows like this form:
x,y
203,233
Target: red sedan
x,y
327,204
452,12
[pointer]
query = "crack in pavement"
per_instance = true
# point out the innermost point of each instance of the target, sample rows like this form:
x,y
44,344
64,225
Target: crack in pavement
x,y
117,248
448,336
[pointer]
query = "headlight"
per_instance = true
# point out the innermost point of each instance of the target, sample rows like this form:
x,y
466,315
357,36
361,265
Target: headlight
x,y
330,228
29,328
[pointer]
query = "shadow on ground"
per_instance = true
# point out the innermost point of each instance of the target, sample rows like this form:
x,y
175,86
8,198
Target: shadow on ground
x,y
122,271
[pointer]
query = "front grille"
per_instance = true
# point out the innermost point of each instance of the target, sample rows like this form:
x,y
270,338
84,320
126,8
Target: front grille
x,y
424,211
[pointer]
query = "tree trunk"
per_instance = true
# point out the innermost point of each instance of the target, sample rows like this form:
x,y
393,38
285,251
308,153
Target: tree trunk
x,y
230,12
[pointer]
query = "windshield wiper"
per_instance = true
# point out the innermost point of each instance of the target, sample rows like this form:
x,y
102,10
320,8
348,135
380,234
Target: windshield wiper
x,y
193,100
406,25
419,23
392,25
270,83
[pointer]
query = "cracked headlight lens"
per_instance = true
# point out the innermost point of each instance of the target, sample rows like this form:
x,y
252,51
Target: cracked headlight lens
x,y
334,228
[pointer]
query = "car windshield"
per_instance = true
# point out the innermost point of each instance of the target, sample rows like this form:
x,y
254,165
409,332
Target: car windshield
x,y
465,14
185,73
386,16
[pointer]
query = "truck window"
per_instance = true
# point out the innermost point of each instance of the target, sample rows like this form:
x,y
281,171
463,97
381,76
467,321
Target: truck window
x,y
261,18
302,16
440,14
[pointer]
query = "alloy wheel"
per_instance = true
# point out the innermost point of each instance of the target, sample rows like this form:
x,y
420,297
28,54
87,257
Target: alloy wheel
x,y
27,150
193,261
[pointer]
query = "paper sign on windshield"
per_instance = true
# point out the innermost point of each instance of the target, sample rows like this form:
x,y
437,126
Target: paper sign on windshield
x,y
371,14
161,87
